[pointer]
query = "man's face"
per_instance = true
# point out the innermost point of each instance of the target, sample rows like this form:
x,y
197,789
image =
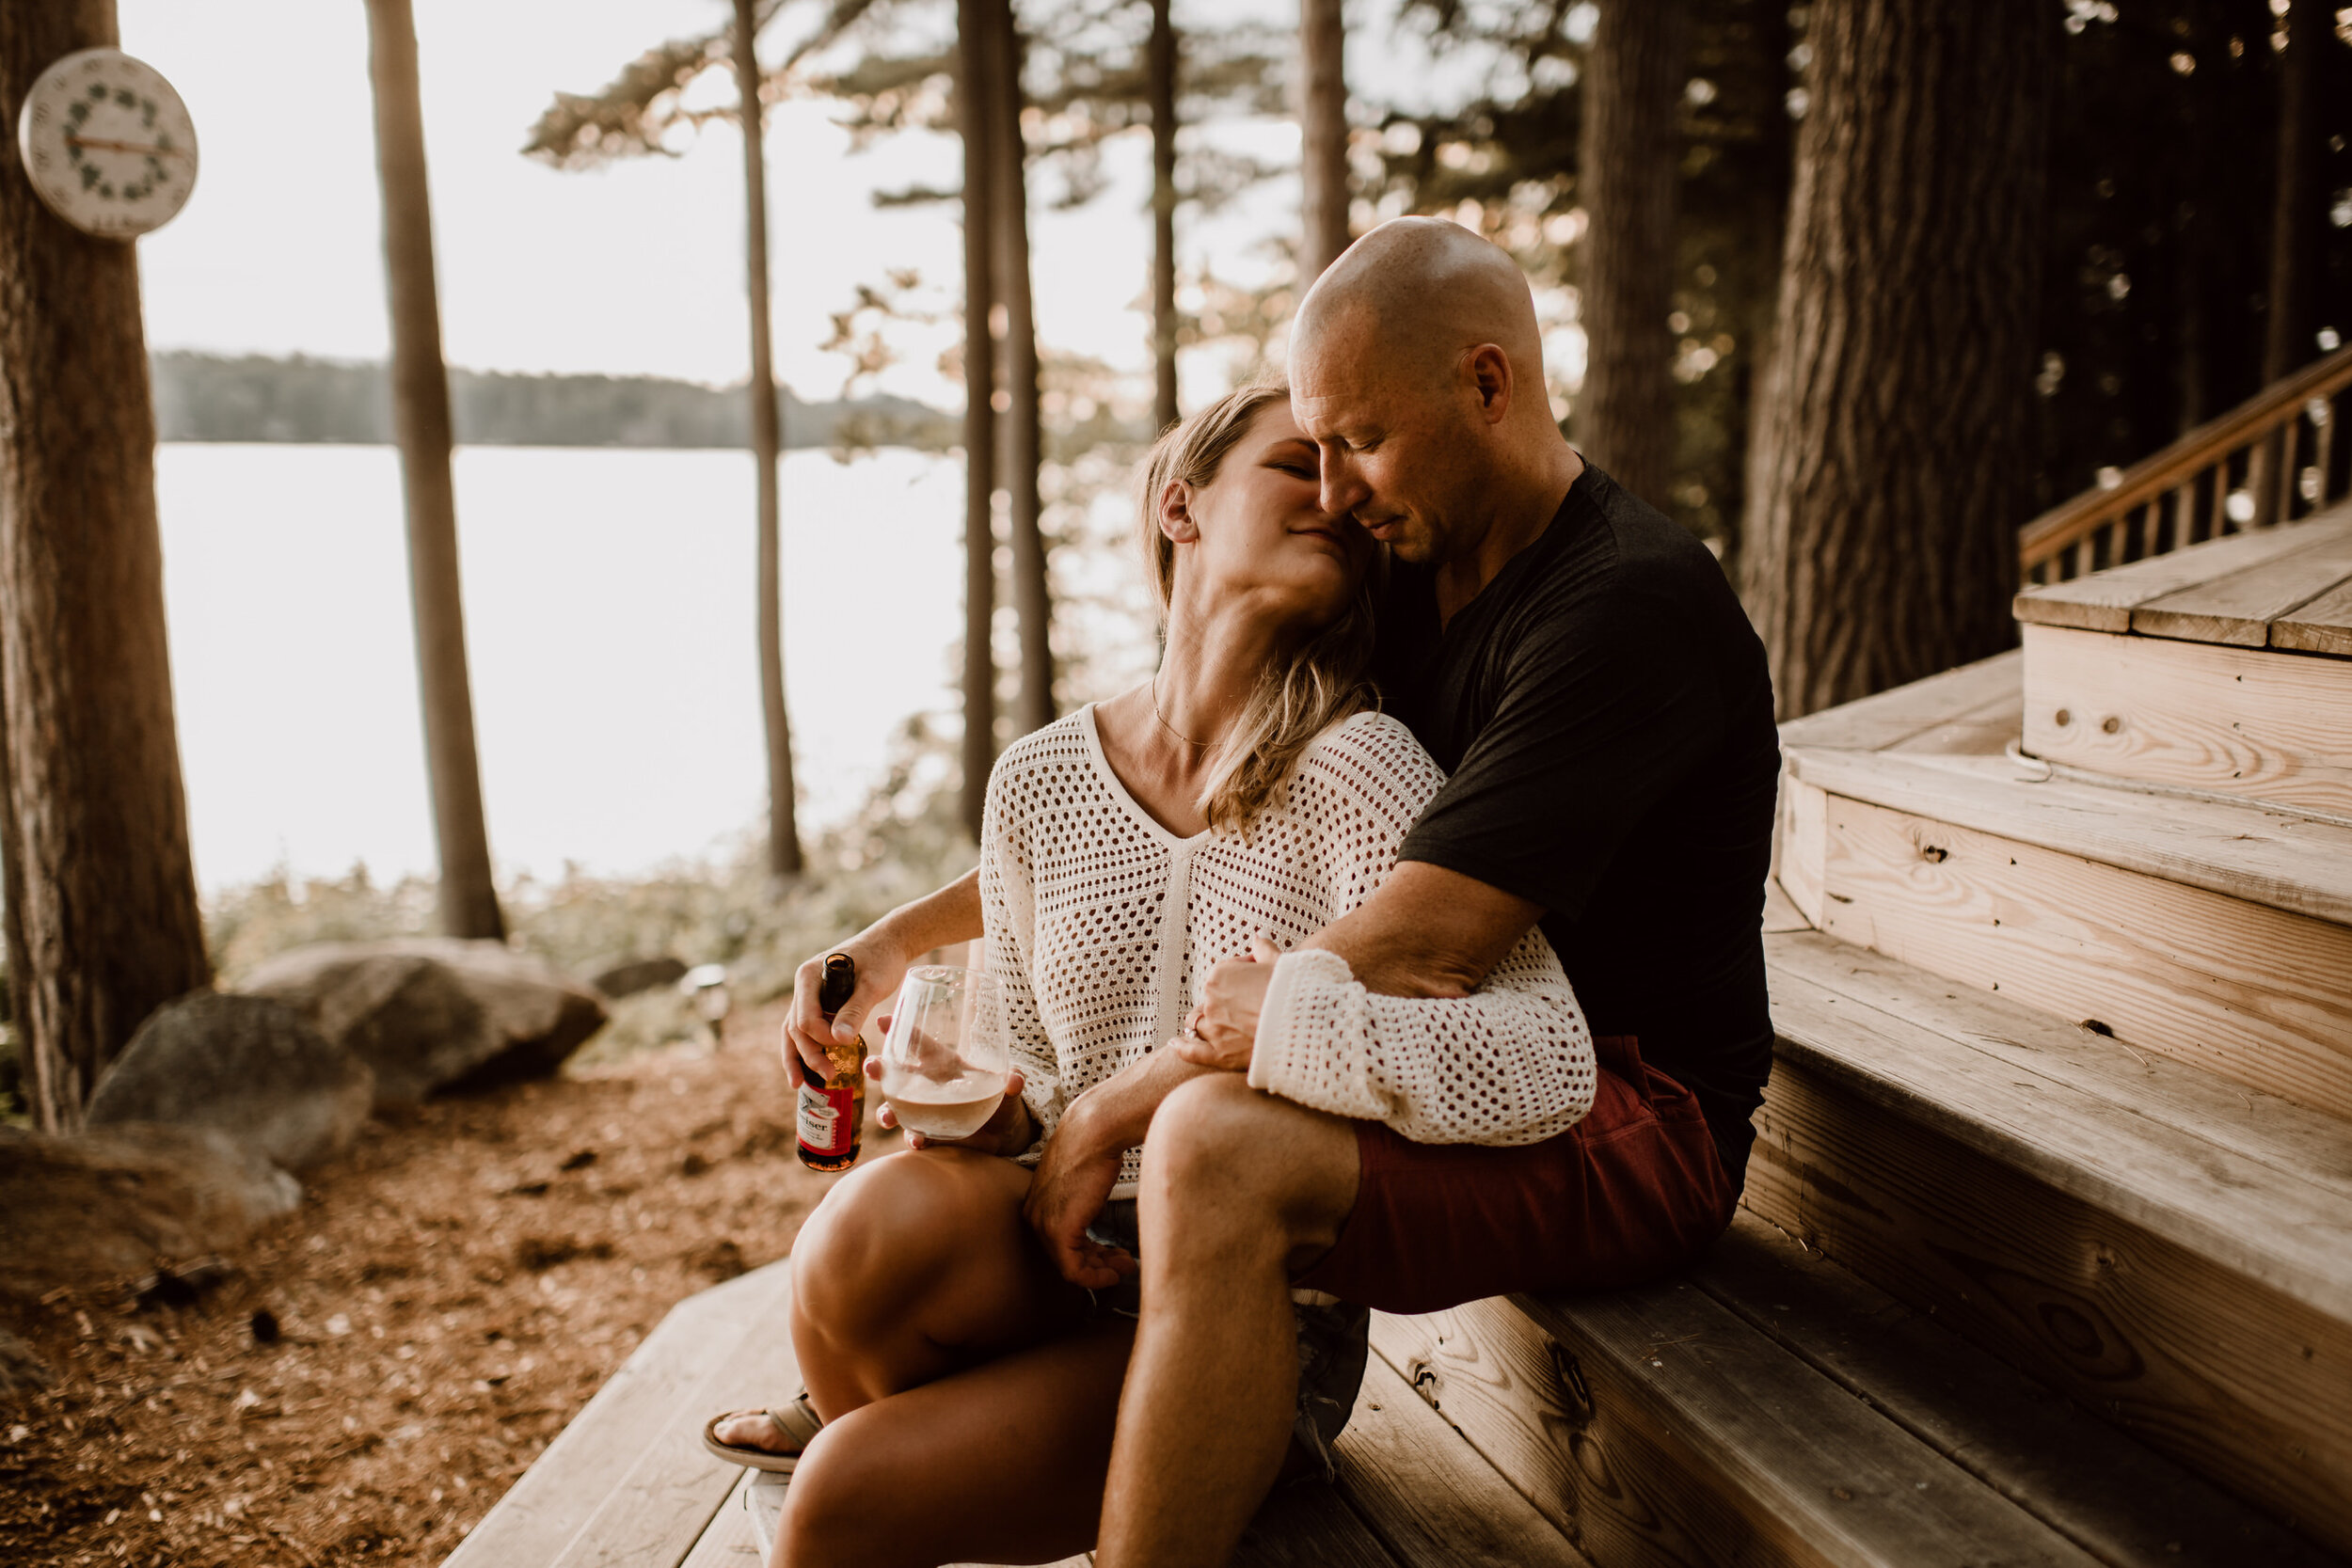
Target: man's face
x,y
1393,448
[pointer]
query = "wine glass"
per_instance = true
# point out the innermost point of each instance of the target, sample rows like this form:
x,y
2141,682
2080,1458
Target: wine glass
x,y
946,1059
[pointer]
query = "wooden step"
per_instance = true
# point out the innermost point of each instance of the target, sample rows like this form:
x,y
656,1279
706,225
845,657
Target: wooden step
x,y
1409,1494
627,1482
2219,668
2216,931
1774,1409
2168,1247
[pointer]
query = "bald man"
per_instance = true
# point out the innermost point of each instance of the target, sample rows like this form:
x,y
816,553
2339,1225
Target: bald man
x,y
1578,665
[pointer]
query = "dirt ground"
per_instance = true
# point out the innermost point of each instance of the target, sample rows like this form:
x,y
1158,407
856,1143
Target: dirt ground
x,y
381,1365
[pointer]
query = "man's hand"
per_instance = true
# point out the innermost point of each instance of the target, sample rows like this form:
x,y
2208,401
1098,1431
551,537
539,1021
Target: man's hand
x,y
1073,1183
1010,1131
1224,1029
881,966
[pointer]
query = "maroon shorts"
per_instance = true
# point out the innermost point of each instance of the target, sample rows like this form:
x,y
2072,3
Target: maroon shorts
x,y
1632,1192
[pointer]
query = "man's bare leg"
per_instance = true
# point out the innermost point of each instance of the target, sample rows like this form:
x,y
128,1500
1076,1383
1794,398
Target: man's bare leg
x,y
1240,1192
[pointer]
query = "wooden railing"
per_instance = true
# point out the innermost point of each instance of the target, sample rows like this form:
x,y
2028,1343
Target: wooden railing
x,y
2270,459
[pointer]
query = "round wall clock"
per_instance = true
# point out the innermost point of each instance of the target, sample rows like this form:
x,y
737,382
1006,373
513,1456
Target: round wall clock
x,y
107,143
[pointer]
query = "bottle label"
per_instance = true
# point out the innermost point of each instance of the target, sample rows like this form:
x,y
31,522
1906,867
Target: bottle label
x,y
827,1118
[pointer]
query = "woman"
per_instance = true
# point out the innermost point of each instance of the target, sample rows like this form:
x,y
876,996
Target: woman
x,y
1246,797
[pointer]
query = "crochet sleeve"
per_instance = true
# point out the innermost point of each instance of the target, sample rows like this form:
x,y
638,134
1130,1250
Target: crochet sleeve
x,y
1511,1063
1008,939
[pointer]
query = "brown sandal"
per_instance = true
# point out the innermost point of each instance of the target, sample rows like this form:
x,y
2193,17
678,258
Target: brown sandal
x,y
797,1423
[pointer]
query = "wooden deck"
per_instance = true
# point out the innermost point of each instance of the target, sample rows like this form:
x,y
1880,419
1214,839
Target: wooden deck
x,y
2047,1256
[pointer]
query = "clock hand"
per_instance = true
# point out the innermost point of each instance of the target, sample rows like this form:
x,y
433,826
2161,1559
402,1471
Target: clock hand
x,y
102,146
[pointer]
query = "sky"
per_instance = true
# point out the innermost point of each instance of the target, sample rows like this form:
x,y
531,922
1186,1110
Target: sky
x,y
633,268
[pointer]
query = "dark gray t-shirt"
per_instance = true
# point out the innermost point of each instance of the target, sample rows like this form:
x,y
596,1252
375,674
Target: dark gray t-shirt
x,y
1605,715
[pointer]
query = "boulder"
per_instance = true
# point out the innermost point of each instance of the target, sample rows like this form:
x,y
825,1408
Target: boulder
x,y
629,976
95,1206
249,1066
428,1013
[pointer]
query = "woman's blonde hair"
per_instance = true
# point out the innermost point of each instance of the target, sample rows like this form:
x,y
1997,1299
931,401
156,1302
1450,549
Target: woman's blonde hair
x,y
1326,680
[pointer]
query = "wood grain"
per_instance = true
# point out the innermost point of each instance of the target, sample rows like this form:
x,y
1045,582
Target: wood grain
x,y
2239,1381
541,1513
653,1514
1888,719
729,1539
2238,608
2115,1497
2262,854
2250,992
1803,845
2145,1097
2104,601
1306,1525
2322,626
2257,723
1429,1494
1703,1442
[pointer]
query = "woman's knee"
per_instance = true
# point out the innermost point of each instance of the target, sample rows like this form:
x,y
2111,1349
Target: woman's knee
x,y
884,1229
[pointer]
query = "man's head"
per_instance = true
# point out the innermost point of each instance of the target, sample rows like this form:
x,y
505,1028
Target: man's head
x,y
1417,368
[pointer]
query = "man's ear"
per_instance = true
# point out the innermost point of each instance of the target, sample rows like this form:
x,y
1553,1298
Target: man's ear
x,y
1489,370
1175,513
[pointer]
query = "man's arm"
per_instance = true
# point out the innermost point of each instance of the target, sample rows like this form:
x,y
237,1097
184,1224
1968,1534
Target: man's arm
x,y
1425,931
883,950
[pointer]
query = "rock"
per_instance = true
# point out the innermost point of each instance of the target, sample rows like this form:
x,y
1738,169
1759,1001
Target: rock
x,y
249,1066
429,1013
629,977
91,1207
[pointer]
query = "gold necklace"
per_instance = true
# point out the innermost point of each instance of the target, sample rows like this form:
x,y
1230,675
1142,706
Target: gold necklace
x,y
1163,717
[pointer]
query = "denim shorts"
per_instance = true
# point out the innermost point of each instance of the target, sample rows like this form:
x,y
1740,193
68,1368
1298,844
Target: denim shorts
x,y
1333,1339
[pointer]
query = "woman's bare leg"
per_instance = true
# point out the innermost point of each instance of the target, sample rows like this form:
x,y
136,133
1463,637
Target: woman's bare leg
x,y
999,1463
913,1267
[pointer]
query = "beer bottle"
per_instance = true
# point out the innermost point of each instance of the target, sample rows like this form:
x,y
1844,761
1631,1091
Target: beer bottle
x,y
833,1105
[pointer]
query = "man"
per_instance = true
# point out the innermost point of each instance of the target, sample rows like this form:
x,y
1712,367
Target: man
x,y
1578,665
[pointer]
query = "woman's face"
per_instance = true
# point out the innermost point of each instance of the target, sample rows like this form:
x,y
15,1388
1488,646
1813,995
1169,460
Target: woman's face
x,y
1260,531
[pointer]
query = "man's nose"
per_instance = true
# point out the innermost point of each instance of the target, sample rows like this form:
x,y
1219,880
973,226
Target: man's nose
x,y
1342,488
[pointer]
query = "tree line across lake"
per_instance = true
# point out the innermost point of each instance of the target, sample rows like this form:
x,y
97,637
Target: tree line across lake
x,y
204,397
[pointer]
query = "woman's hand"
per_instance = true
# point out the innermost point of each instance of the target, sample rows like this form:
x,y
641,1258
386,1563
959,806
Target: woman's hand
x,y
1073,1181
1223,1031
1009,1132
882,964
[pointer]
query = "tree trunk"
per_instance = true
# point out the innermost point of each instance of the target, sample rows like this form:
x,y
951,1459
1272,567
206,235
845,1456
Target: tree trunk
x,y
420,421
1023,446
1162,85
2287,327
784,834
1628,179
1888,486
1323,135
976,115
1773,38
101,921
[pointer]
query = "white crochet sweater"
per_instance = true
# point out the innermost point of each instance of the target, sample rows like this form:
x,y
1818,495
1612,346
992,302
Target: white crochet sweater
x,y
1103,924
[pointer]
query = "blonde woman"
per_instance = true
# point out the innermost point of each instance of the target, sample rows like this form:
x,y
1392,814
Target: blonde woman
x,y
963,1375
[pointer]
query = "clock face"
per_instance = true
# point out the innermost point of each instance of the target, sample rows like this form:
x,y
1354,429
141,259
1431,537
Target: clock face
x,y
108,144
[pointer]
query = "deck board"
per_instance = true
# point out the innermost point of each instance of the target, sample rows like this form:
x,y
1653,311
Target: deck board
x,y
2322,626
2107,601
543,1512
2116,1499
654,1513
2239,609
1429,1494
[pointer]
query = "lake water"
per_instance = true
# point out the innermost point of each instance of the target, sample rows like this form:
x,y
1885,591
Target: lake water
x,y
609,619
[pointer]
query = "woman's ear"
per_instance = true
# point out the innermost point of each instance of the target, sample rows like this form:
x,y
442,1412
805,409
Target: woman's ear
x,y
1175,513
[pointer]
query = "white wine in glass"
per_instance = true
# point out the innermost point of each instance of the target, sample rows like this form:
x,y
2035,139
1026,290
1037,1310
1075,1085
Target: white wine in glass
x,y
947,1059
